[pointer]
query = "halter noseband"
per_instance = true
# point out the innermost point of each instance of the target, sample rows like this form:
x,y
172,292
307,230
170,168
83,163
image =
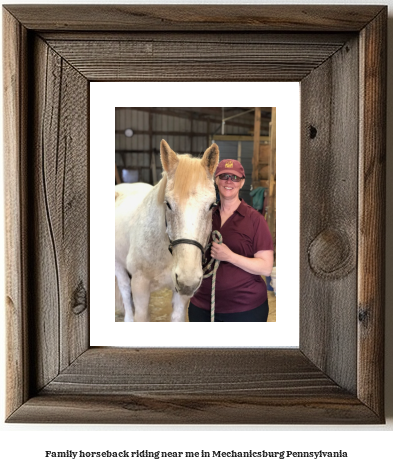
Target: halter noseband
x,y
185,241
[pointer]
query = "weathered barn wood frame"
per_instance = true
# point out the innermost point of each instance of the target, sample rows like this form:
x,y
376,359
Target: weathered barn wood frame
x,y
338,54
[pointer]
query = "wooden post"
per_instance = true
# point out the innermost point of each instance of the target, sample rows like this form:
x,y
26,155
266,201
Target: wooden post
x,y
271,216
257,139
117,175
273,143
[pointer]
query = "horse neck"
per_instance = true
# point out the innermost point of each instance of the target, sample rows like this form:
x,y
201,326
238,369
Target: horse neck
x,y
154,214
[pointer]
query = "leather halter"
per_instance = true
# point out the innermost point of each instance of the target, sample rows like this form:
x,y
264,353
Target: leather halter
x,y
185,241
172,243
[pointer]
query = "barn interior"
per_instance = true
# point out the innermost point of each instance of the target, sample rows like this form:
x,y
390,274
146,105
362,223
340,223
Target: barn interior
x,y
247,134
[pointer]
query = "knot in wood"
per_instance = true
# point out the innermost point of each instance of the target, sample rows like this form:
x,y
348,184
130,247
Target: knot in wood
x,y
364,315
79,299
313,132
331,255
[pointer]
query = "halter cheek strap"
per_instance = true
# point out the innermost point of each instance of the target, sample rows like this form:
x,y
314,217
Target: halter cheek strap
x,y
172,243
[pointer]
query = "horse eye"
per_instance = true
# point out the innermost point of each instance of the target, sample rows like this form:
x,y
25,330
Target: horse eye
x,y
212,205
168,205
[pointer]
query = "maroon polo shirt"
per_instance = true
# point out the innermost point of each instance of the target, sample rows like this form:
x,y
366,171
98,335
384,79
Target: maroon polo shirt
x,y
246,233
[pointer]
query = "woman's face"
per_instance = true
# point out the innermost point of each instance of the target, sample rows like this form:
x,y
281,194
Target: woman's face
x,y
227,188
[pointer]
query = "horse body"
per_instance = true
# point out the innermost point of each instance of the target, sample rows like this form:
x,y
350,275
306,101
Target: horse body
x,y
178,207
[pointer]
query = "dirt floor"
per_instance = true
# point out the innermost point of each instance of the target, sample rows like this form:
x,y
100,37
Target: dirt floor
x,y
160,307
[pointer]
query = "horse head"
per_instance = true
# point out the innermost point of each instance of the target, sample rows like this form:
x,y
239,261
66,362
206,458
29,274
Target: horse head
x,y
189,199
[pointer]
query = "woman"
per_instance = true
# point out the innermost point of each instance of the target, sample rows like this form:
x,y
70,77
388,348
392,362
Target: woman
x,y
245,254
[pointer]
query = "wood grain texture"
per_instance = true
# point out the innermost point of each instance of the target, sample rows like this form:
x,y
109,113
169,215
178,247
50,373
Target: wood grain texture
x,y
372,199
193,409
59,218
194,17
53,375
193,386
189,60
14,70
328,253
200,37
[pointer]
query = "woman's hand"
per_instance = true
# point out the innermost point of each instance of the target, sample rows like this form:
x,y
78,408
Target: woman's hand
x,y
221,252
260,264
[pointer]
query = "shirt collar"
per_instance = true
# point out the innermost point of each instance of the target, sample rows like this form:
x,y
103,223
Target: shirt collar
x,y
242,209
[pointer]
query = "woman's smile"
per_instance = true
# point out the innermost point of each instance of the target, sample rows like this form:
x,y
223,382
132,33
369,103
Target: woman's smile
x,y
227,188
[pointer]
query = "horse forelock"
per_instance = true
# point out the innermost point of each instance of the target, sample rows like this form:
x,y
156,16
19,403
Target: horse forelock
x,y
190,177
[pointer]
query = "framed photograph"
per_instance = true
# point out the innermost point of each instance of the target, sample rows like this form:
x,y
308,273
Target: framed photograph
x,y
135,99
337,54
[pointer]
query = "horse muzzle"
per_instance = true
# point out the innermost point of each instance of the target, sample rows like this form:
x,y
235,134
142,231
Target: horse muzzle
x,y
187,288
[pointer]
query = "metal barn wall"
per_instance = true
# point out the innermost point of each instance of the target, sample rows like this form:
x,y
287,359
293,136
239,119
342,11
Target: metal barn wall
x,y
183,134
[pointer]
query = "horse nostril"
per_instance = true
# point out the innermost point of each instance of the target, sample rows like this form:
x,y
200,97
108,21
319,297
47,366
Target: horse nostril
x,y
177,281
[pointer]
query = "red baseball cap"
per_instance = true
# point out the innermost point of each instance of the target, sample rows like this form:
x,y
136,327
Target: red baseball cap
x,y
231,167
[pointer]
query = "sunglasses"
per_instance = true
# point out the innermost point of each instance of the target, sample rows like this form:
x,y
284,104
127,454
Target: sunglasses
x,y
233,177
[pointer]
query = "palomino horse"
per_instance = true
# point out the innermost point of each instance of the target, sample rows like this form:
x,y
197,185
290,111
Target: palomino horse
x,y
161,232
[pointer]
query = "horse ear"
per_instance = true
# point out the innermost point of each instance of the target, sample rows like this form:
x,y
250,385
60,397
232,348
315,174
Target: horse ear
x,y
210,158
169,158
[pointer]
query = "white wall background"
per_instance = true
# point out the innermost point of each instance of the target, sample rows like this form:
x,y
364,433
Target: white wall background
x,y
25,445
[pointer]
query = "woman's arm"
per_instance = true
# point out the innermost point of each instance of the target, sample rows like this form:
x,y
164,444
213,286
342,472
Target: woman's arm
x,y
260,264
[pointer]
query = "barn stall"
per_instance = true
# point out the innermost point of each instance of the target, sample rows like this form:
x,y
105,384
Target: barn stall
x,y
242,133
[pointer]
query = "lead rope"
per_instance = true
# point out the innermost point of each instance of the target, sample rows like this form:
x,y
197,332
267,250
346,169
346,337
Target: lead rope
x,y
217,237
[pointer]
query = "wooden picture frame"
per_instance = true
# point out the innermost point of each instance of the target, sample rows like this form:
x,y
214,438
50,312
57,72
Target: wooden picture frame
x,y
338,54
